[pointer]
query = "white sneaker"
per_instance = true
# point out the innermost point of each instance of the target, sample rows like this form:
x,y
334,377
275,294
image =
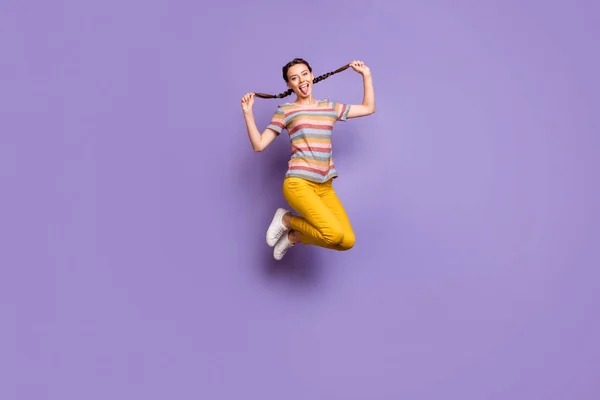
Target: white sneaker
x,y
276,229
282,246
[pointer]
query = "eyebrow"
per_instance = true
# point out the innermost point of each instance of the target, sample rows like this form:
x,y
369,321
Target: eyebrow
x,y
303,71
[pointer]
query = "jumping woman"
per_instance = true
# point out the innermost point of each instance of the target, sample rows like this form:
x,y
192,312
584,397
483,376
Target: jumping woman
x,y
308,182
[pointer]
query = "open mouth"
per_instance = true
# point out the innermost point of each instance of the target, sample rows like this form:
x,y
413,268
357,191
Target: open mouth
x,y
304,88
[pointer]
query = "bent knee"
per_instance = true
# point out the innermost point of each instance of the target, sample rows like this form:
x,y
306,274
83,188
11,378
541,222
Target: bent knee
x,y
334,235
343,240
348,241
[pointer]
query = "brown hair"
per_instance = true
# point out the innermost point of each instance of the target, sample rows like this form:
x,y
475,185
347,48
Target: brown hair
x,y
285,69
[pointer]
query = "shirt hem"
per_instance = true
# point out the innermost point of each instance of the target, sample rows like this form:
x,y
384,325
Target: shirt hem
x,y
310,178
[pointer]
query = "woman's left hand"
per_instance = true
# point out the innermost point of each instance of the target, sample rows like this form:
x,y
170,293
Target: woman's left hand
x,y
360,67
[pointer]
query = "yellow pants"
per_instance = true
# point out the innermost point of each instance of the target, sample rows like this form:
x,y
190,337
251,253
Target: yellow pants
x,y
323,221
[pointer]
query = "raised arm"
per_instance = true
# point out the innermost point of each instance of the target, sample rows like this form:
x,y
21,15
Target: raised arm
x,y
259,141
368,105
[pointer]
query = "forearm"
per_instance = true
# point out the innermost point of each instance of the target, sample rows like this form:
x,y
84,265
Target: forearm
x,y
369,92
253,132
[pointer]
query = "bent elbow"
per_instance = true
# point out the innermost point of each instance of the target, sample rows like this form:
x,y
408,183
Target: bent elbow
x,y
369,108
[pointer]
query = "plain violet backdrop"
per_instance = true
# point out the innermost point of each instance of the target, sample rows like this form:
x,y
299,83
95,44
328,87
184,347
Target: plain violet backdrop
x,y
133,209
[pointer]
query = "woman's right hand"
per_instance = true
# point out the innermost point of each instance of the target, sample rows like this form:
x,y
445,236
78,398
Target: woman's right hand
x,y
247,102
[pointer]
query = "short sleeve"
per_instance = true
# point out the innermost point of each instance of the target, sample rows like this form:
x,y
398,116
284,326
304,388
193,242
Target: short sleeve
x,y
277,123
341,110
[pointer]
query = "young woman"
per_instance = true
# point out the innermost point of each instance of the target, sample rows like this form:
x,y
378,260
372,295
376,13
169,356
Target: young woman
x,y
307,186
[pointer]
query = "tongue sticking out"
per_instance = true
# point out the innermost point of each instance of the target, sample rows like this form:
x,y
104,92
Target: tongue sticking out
x,y
304,89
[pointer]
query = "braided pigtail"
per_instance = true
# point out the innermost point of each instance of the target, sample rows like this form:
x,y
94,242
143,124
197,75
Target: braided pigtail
x,y
274,96
327,75
290,91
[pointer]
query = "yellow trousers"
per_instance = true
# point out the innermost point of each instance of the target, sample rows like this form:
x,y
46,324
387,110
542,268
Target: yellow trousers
x,y
323,221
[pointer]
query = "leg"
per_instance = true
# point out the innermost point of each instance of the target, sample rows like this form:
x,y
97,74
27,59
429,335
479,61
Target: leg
x,y
331,200
318,223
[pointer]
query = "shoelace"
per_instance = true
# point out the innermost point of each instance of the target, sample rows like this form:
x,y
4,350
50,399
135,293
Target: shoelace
x,y
287,246
279,231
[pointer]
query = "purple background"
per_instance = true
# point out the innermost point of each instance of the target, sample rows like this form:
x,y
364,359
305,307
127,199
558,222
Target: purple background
x,y
133,209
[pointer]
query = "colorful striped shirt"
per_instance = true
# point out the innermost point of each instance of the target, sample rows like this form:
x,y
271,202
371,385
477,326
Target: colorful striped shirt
x,y
310,128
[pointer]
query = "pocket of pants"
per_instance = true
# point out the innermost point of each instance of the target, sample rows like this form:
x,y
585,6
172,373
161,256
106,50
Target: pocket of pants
x,y
295,183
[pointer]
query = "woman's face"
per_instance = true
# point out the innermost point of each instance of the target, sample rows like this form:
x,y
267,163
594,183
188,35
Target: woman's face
x,y
300,80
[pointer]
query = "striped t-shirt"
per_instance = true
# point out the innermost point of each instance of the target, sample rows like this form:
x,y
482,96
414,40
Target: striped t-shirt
x,y
310,128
